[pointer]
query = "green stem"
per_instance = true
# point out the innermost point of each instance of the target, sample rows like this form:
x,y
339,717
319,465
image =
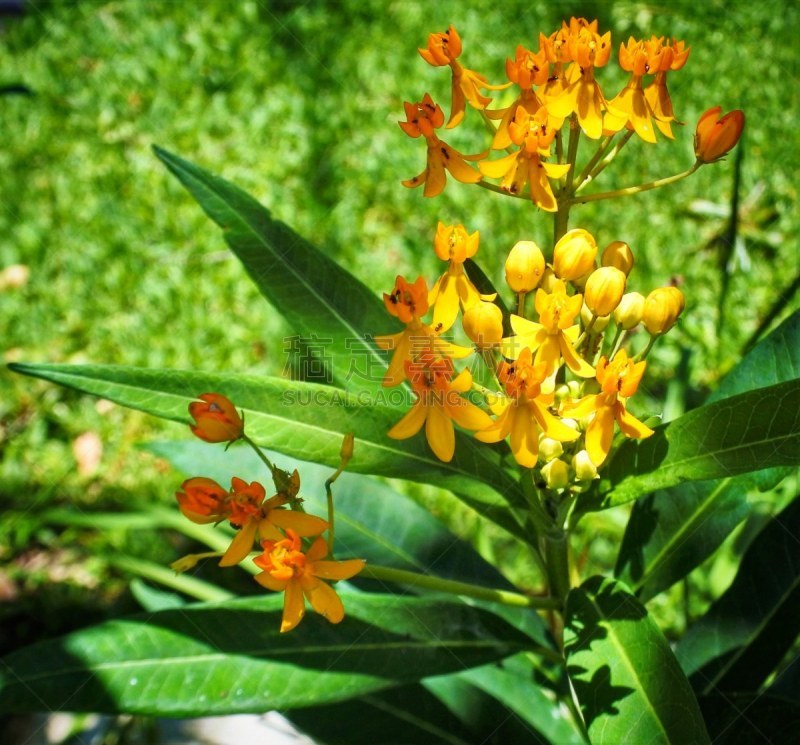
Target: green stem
x,y
427,582
493,187
601,151
556,552
607,160
630,190
521,304
643,354
259,453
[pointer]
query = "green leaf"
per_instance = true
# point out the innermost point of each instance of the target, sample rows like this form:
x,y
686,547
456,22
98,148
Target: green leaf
x,y
230,657
628,682
317,297
307,421
747,432
672,531
765,719
749,629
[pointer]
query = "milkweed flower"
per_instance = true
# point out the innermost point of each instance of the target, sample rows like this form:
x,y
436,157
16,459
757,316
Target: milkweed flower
x,y
439,403
662,307
618,380
216,418
673,56
422,119
286,568
524,414
716,136
554,336
408,302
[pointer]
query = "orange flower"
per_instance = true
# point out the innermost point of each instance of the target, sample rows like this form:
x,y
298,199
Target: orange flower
x,y
422,119
618,380
716,136
407,301
631,108
552,338
438,404
203,500
286,568
524,415
216,418
673,56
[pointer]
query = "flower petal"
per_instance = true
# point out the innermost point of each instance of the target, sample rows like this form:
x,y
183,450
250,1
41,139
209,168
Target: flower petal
x,y
294,607
524,438
301,523
440,433
629,424
599,434
241,545
325,601
265,579
411,423
337,569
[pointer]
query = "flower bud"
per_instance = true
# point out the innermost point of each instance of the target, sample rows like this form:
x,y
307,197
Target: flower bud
x,y
574,254
715,136
661,309
604,289
585,470
483,324
556,474
548,280
216,418
549,448
629,311
600,322
524,266
618,254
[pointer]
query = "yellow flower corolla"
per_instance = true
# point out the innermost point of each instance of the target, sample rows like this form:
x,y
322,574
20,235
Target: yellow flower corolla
x,y
574,254
423,118
408,302
533,135
618,380
439,403
631,108
286,568
673,56
524,414
453,289
716,136
554,336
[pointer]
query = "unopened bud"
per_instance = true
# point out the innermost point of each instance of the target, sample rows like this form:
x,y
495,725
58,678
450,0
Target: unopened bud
x,y
548,280
585,470
346,451
618,254
556,474
574,254
629,311
483,324
716,136
604,289
661,309
524,266
549,448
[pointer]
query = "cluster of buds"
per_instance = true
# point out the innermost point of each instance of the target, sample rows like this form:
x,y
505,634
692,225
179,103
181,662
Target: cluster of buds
x,y
555,92
278,524
563,378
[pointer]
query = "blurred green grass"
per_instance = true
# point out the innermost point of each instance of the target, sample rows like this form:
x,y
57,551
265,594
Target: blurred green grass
x,y
298,103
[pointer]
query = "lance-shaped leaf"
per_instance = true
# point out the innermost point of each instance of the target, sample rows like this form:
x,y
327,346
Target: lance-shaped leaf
x,y
672,531
749,629
747,432
230,657
306,421
317,297
628,682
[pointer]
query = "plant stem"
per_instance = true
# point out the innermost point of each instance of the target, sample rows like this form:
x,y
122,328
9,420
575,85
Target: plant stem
x,y
607,160
601,151
521,304
259,453
458,588
556,552
504,192
191,586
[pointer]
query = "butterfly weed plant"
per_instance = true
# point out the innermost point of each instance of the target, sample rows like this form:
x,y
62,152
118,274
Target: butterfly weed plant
x,y
527,395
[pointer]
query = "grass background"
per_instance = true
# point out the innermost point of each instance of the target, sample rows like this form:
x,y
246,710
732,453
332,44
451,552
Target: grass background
x,y
298,103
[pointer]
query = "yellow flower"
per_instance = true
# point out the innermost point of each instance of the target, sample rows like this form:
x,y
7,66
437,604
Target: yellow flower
x,y
286,568
631,108
524,266
439,403
672,56
407,301
422,119
618,380
554,336
715,137
533,135
524,414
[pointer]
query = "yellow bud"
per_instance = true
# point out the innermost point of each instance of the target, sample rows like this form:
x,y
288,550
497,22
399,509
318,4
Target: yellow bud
x,y
574,254
549,449
585,470
524,266
556,474
548,280
600,322
629,311
346,451
604,289
661,309
483,323
618,254
185,563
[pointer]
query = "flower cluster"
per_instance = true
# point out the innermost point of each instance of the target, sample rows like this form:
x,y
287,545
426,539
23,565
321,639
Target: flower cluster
x,y
563,377
278,524
555,93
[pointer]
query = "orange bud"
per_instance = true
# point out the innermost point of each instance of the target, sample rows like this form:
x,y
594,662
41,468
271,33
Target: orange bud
x,y
202,500
483,323
661,309
574,254
604,289
618,254
715,136
524,266
216,418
